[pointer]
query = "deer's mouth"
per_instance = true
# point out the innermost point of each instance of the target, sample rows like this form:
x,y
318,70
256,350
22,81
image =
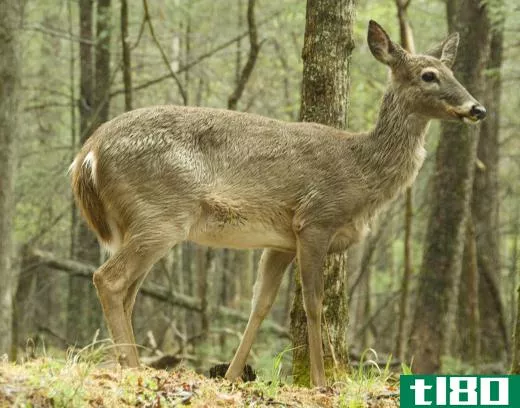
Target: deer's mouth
x,y
469,119
465,117
473,115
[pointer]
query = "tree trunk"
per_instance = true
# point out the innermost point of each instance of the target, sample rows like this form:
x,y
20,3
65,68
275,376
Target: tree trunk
x,y
515,368
400,349
84,311
468,332
453,180
485,209
102,79
9,84
326,54
101,112
127,59
406,37
86,102
84,239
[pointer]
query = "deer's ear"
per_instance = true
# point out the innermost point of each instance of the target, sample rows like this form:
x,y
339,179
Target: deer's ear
x,y
382,46
447,50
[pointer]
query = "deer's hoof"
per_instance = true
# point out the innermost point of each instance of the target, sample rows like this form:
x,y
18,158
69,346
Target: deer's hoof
x,y
219,371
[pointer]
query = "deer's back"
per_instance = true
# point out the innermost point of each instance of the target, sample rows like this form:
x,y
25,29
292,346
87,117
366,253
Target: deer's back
x,y
210,148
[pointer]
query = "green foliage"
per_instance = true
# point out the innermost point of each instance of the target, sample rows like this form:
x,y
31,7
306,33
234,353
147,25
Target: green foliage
x,y
275,375
453,365
406,369
369,378
269,381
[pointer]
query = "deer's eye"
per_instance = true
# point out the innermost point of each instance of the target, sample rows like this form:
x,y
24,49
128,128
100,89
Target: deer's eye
x,y
428,76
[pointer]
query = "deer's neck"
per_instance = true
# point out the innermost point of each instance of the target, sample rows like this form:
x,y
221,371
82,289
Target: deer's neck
x,y
395,148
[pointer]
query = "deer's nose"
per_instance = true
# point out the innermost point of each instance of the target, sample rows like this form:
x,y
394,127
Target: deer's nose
x,y
478,111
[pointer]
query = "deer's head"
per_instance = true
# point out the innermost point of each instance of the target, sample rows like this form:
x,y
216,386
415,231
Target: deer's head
x,y
425,82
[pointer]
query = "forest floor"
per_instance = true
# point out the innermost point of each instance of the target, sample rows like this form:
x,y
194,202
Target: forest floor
x,y
52,382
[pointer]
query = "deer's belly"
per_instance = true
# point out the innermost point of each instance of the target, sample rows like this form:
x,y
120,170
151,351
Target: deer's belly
x,y
242,237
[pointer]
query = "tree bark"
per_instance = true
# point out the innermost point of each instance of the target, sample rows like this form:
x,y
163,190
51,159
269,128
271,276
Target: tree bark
x,y
468,307
9,101
515,367
406,37
453,180
485,208
400,344
328,45
84,311
86,102
85,244
102,79
127,58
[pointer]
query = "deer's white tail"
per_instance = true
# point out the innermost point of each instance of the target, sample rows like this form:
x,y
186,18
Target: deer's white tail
x,y
83,172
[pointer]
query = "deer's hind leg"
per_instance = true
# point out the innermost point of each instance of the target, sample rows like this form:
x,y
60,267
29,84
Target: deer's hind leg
x,y
129,302
270,273
117,282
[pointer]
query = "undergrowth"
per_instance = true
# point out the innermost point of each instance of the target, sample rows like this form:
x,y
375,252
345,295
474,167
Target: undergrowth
x,y
88,378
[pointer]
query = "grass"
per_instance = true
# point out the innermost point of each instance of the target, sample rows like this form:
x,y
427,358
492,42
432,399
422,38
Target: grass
x,y
369,383
86,378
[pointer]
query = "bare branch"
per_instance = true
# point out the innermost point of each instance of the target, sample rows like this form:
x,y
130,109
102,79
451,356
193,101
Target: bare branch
x,y
404,25
58,34
370,247
163,54
197,60
34,239
251,59
148,289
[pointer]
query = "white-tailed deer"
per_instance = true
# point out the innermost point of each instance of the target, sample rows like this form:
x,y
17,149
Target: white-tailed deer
x,y
154,177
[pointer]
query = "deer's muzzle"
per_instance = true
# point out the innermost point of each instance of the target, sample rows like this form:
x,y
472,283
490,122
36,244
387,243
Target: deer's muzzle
x,y
478,112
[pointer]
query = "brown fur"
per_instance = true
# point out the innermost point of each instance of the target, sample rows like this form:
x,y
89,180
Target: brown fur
x,y
88,200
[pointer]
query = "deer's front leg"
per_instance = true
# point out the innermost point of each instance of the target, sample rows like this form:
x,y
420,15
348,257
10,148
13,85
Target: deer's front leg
x,y
270,273
312,247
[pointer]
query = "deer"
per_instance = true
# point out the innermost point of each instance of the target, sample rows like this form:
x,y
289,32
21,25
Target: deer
x,y
157,176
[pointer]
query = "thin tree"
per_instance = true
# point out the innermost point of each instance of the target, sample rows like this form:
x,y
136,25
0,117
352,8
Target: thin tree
x,y
102,67
84,312
127,56
328,45
485,204
9,101
453,180
468,323
84,243
515,367
406,37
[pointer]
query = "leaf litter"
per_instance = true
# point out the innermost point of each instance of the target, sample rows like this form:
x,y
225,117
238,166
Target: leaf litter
x,y
47,383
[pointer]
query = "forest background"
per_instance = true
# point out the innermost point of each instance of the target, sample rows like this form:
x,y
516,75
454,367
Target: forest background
x,y
75,71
